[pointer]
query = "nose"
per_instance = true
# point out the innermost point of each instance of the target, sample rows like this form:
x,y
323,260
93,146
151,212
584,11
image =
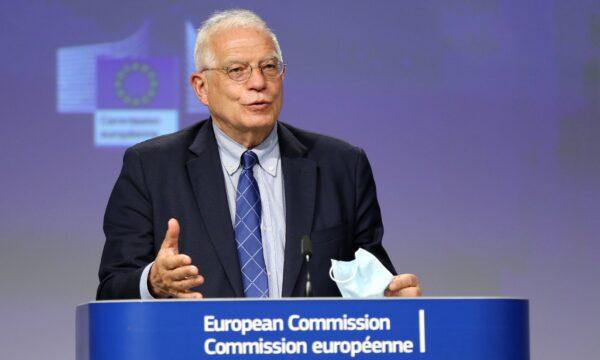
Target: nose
x,y
257,80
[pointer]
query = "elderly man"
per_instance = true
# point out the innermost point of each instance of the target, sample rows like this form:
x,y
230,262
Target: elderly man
x,y
218,209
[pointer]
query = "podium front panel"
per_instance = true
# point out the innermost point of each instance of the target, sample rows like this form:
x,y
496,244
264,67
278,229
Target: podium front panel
x,y
416,328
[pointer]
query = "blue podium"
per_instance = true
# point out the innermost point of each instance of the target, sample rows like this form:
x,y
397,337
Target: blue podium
x,y
417,328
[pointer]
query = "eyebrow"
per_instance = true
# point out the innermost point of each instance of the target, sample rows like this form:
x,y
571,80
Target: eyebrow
x,y
237,61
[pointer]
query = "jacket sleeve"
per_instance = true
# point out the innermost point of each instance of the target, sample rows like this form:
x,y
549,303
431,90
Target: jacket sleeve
x,y
128,228
368,226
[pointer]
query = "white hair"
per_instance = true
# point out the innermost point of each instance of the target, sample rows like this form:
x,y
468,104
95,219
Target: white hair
x,y
229,19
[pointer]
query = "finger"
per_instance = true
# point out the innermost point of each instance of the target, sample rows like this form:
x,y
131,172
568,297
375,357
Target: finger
x,y
171,240
403,281
410,292
189,295
183,272
406,292
174,261
184,285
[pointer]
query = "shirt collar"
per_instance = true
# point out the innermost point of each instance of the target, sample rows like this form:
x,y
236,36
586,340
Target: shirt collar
x,y
231,151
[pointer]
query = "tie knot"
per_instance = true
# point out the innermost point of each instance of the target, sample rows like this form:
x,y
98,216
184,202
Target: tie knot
x,y
249,159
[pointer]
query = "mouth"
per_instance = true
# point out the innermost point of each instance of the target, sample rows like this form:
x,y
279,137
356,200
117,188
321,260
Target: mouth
x,y
258,105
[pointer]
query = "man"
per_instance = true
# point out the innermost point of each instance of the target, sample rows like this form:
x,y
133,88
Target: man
x,y
218,209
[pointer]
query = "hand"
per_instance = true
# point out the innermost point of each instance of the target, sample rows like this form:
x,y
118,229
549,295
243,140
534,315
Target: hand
x,y
172,274
405,285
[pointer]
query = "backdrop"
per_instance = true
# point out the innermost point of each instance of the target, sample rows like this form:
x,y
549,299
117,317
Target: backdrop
x,y
481,119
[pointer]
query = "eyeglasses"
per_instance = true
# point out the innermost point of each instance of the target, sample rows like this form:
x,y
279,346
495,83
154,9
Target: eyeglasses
x,y
271,69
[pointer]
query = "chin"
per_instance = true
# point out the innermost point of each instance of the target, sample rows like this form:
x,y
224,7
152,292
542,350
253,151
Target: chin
x,y
259,121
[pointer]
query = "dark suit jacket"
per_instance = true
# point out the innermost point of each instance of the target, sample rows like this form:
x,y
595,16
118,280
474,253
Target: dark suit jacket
x,y
329,195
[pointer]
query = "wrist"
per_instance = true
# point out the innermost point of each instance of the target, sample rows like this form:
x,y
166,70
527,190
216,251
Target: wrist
x,y
152,289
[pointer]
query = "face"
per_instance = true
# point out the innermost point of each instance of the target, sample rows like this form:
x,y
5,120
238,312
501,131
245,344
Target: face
x,y
240,107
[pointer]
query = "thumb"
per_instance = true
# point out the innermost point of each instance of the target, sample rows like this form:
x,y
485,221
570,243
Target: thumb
x,y
171,240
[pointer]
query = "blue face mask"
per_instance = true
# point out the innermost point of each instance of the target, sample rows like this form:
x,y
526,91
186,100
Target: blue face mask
x,y
364,276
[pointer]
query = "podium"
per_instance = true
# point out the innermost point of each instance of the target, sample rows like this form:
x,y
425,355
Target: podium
x,y
328,328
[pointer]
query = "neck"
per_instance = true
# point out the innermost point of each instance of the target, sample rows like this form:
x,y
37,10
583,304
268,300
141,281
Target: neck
x,y
249,138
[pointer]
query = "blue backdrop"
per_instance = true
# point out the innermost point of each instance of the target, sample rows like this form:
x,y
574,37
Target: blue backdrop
x,y
481,119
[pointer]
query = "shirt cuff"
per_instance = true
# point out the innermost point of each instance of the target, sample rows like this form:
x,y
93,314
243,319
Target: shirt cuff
x,y
144,291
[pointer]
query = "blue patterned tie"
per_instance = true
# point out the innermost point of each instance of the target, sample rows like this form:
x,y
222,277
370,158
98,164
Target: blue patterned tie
x,y
247,231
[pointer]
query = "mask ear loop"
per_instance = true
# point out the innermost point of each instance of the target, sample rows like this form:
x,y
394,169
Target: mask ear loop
x,y
342,281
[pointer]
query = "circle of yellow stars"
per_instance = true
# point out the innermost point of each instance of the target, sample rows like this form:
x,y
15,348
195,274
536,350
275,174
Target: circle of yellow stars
x,y
143,69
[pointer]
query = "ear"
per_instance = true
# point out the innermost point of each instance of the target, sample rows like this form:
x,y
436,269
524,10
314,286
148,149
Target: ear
x,y
199,84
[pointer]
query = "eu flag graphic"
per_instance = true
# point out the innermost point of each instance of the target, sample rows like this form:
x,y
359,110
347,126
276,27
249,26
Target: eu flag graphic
x,y
137,99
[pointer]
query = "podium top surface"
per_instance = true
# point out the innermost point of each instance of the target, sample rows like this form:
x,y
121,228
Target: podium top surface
x,y
421,298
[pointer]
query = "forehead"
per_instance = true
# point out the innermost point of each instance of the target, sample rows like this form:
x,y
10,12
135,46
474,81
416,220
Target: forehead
x,y
242,44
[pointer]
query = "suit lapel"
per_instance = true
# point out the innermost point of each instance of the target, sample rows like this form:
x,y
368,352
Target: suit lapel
x,y
300,178
206,176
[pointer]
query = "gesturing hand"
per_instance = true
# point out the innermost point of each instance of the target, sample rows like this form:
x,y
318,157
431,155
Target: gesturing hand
x,y
172,274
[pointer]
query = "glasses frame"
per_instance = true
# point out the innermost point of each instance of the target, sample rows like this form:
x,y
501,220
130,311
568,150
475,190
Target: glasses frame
x,y
226,69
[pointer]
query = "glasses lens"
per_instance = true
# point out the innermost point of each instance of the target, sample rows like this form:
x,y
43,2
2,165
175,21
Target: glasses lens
x,y
238,72
272,69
